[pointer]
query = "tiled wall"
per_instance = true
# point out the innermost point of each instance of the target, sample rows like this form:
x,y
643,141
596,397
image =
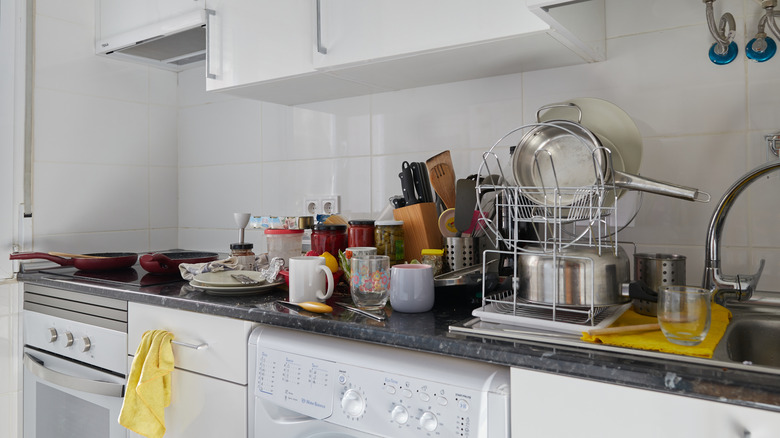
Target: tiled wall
x,y
702,126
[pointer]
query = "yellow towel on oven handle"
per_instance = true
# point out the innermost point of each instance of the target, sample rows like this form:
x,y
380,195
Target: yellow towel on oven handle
x,y
655,340
148,390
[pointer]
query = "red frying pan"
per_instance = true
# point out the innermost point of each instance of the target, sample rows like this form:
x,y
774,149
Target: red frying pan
x,y
168,262
105,261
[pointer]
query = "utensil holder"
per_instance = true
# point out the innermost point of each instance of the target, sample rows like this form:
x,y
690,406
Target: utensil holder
x,y
657,270
461,252
421,228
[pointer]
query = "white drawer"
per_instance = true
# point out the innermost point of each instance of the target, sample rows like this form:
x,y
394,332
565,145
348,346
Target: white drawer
x,y
225,354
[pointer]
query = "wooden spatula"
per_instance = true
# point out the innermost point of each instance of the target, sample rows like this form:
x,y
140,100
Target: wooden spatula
x,y
442,177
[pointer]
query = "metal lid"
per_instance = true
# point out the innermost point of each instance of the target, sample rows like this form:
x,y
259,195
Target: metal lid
x,y
241,246
282,231
361,222
330,227
389,222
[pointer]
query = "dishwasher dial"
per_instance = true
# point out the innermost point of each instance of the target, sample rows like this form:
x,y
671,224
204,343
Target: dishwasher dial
x,y
399,414
353,403
52,335
87,344
428,421
68,339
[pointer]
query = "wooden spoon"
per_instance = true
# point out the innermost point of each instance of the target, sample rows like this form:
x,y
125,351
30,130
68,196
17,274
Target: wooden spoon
x,y
443,182
75,256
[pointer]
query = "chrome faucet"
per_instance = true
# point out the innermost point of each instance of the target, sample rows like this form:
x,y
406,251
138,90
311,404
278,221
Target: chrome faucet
x,y
722,285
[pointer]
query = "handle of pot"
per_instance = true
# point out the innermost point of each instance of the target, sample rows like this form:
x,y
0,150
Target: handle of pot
x,y
635,182
639,290
559,105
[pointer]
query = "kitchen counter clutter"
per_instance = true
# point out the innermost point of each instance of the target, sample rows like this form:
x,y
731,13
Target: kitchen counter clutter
x,y
708,379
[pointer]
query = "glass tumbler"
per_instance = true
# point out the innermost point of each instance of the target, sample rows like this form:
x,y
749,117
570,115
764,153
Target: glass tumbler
x,y
684,314
370,281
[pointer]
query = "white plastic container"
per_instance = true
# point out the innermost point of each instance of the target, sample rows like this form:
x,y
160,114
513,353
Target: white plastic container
x,y
284,244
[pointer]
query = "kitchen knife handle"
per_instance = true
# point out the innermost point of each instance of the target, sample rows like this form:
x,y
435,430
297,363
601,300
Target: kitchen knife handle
x,y
420,175
407,184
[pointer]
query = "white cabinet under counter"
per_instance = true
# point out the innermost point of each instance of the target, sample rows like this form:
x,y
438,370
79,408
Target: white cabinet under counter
x,y
310,50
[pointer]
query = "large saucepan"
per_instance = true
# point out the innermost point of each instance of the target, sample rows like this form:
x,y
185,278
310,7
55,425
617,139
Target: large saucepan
x,y
566,154
584,278
104,261
168,262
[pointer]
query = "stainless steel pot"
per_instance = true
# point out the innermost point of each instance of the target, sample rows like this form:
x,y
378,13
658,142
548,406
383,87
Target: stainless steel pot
x,y
584,277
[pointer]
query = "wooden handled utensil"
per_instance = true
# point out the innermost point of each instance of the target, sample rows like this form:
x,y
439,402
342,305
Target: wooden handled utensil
x,y
442,176
75,256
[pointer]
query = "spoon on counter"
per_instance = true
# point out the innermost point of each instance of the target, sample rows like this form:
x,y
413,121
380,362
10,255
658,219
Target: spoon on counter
x,y
311,306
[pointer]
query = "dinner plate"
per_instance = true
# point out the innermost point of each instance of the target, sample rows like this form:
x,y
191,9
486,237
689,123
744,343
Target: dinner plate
x,y
246,289
224,278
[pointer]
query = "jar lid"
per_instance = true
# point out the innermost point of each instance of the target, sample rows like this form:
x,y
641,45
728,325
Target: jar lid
x,y
282,231
241,246
435,252
330,227
361,222
390,222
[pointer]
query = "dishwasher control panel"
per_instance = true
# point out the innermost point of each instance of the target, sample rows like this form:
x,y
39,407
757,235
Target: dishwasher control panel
x,y
380,390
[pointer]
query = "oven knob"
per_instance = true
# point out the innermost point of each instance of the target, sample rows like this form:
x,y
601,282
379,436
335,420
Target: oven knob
x,y
68,339
428,421
353,403
52,335
400,415
87,344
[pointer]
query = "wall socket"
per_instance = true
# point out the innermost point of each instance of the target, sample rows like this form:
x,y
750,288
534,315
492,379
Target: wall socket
x,y
324,204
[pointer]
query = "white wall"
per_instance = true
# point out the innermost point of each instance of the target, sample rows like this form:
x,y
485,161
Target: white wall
x,y
702,126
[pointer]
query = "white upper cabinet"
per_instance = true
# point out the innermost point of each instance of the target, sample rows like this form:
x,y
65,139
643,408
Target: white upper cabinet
x,y
120,16
301,51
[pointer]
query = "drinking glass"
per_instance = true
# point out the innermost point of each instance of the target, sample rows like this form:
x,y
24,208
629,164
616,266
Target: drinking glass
x,y
684,313
370,281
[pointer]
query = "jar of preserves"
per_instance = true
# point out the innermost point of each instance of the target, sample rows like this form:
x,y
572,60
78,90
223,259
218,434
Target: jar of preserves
x,y
245,258
389,240
330,238
433,257
361,233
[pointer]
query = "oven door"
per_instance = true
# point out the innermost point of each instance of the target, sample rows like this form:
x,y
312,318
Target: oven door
x,y
66,399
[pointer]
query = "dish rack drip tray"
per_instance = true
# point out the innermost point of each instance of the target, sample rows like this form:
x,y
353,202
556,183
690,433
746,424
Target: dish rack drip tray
x,y
505,308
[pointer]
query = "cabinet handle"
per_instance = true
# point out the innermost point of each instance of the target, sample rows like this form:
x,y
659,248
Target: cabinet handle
x,y
209,13
320,47
193,346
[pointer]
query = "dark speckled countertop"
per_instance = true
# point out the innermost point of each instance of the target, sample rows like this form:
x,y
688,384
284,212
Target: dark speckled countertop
x,y
430,332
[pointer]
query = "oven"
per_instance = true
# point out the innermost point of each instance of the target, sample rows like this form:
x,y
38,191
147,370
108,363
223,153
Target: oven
x,y
75,364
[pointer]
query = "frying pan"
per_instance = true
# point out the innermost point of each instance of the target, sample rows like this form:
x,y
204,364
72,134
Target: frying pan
x,y
106,262
168,262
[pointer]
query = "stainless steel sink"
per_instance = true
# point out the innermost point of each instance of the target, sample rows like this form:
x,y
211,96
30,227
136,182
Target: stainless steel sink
x,y
753,336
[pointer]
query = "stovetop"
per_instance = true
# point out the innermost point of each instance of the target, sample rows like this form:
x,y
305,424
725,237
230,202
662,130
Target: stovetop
x,y
134,276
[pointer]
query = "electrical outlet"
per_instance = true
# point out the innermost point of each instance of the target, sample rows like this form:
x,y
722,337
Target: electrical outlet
x,y
331,204
312,205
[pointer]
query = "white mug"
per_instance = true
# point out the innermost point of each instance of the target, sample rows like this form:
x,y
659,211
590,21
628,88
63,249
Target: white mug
x,y
310,279
411,288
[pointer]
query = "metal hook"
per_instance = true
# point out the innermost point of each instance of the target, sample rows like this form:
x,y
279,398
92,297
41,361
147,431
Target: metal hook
x,y
725,49
762,47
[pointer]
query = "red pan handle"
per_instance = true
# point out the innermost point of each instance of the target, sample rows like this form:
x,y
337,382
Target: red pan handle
x,y
41,255
162,259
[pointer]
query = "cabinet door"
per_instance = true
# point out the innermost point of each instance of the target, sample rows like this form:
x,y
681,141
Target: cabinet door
x,y
204,407
545,404
355,31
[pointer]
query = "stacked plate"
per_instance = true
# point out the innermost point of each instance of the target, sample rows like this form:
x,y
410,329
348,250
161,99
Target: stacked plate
x,y
223,283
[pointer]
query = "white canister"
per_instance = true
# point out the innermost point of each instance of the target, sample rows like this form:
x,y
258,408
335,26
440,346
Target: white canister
x,y
284,243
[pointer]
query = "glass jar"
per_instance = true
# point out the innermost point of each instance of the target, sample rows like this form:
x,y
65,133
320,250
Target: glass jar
x,y
330,238
389,240
245,258
284,244
433,257
361,233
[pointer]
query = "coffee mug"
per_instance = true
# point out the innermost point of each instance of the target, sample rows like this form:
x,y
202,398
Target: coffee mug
x,y
411,288
310,279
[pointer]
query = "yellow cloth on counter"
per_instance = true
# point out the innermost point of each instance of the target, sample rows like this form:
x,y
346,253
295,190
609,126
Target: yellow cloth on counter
x,y
655,340
149,385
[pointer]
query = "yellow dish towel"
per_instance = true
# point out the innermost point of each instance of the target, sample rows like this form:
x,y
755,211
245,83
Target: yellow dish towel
x,y
149,385
655,340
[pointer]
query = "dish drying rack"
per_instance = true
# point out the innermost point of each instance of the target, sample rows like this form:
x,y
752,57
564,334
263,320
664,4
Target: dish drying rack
x,y
559,217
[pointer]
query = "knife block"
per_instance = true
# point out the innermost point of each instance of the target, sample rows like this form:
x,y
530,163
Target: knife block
x,y
421,228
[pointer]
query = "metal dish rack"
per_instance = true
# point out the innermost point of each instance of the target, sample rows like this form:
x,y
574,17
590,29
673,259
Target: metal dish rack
x,y
559,217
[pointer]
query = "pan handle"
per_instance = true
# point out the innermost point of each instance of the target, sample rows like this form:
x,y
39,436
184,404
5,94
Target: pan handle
x,y
559,105
635,182
163,260
41,255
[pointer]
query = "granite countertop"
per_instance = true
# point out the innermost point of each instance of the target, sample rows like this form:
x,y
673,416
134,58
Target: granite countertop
x,y
430,332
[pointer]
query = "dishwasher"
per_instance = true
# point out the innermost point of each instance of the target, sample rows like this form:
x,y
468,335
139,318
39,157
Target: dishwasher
x,y
309,385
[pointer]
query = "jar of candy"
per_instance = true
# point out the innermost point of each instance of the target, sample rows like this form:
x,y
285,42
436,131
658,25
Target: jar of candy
x,y
389,240
245,258
433,257
330,238
361,233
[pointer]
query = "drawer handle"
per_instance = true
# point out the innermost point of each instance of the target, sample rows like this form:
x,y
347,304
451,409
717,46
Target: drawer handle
x,y
193,346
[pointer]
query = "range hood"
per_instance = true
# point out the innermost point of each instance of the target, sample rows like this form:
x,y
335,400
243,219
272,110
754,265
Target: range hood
x,y
173,44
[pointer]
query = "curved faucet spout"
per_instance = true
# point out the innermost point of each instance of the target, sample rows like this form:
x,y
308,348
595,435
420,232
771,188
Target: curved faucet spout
x,y
741,286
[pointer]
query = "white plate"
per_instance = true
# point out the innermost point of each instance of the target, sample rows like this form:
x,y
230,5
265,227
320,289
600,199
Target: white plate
x,y
224,278
236,290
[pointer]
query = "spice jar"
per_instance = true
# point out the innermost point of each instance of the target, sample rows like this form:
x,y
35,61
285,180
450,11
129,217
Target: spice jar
x,y
389,240
245,258
361,233
433,257
330,238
